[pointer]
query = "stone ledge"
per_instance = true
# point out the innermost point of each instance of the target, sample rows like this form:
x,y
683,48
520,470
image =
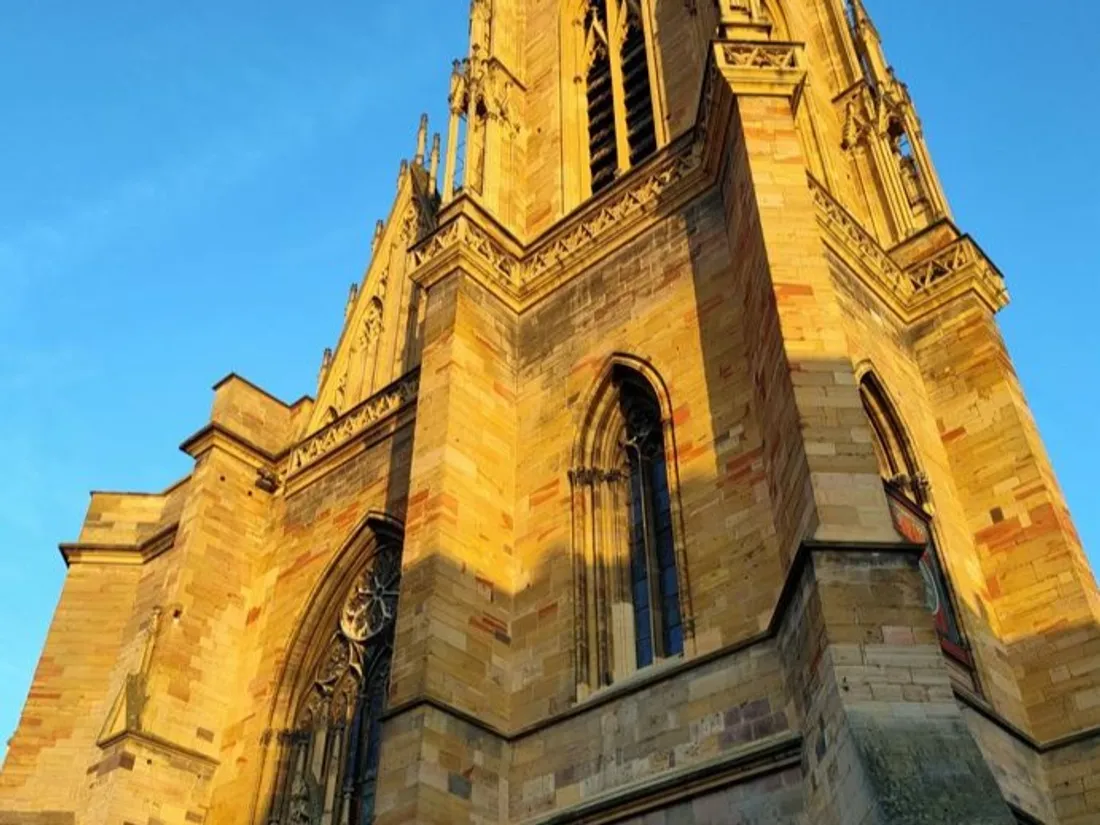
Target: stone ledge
x,y
643,681
762,758
989,713
520,274
767,68
217,435
119,554
918,276
151,741
37,818
355,423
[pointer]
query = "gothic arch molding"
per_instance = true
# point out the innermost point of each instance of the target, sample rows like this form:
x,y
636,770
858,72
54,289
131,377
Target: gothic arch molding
x,y
893,444
596,399
626,617
911,506
339,648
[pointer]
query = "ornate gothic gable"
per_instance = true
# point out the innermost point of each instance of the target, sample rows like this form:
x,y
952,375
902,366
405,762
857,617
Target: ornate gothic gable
x,y
380,339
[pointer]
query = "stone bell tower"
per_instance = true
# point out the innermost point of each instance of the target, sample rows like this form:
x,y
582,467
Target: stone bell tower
x,y
669,468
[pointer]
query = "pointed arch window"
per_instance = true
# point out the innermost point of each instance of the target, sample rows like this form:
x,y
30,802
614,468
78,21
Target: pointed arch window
x,y
655,589
328,763
896,460
630,589
621,116
910,503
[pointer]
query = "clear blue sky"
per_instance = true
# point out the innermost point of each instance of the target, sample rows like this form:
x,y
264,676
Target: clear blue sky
x,y
188,189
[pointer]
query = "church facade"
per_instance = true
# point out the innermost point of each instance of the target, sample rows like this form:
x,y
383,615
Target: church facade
x,y
669,469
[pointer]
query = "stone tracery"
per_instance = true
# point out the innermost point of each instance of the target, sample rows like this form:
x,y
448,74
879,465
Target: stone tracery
x,y
329,756
630,596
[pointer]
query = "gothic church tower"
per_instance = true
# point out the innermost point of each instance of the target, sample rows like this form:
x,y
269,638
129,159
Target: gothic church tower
x,y
669,468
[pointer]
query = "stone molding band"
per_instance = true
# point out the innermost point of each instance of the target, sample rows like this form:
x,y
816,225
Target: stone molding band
x,y
674,669
761,758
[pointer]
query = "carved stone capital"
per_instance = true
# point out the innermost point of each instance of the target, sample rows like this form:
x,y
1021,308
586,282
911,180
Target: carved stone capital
x,y
763,68
592,476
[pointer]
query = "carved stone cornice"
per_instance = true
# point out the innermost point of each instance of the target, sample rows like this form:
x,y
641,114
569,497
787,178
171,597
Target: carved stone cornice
x,y
919,276
134,554
958,268
470,239
612,219
859,248
354,423
763,67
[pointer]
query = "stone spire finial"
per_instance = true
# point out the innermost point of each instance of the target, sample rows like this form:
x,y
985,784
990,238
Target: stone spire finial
x,y
401,170
326,363
379,228
433,167
869,44
421,140
353,293
481,23
859,12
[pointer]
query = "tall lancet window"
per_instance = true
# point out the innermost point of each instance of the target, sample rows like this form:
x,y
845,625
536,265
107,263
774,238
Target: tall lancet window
x,y
620,106
328,762
910,503
630,593
655,590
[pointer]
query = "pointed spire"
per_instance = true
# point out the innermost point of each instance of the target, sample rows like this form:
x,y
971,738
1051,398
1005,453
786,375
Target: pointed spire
x,y
326,363
401,170
869,45
379,227
421,140
353,293
433,169
859,12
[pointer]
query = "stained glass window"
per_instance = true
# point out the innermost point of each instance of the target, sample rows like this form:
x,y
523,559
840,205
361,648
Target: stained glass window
x,y
655,588
907,492
329,758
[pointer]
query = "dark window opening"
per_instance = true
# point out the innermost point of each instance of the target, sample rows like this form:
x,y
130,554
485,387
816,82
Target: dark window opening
x,y
618,97
602,145
641,133
655,588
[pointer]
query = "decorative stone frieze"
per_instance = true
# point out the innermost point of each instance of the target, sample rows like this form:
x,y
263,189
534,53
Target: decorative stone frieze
x,y
355,422
755,67
960,257
579,241
853,239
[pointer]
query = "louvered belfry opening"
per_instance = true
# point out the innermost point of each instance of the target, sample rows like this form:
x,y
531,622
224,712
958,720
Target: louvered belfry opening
x,y
601,104
636,92
621,128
